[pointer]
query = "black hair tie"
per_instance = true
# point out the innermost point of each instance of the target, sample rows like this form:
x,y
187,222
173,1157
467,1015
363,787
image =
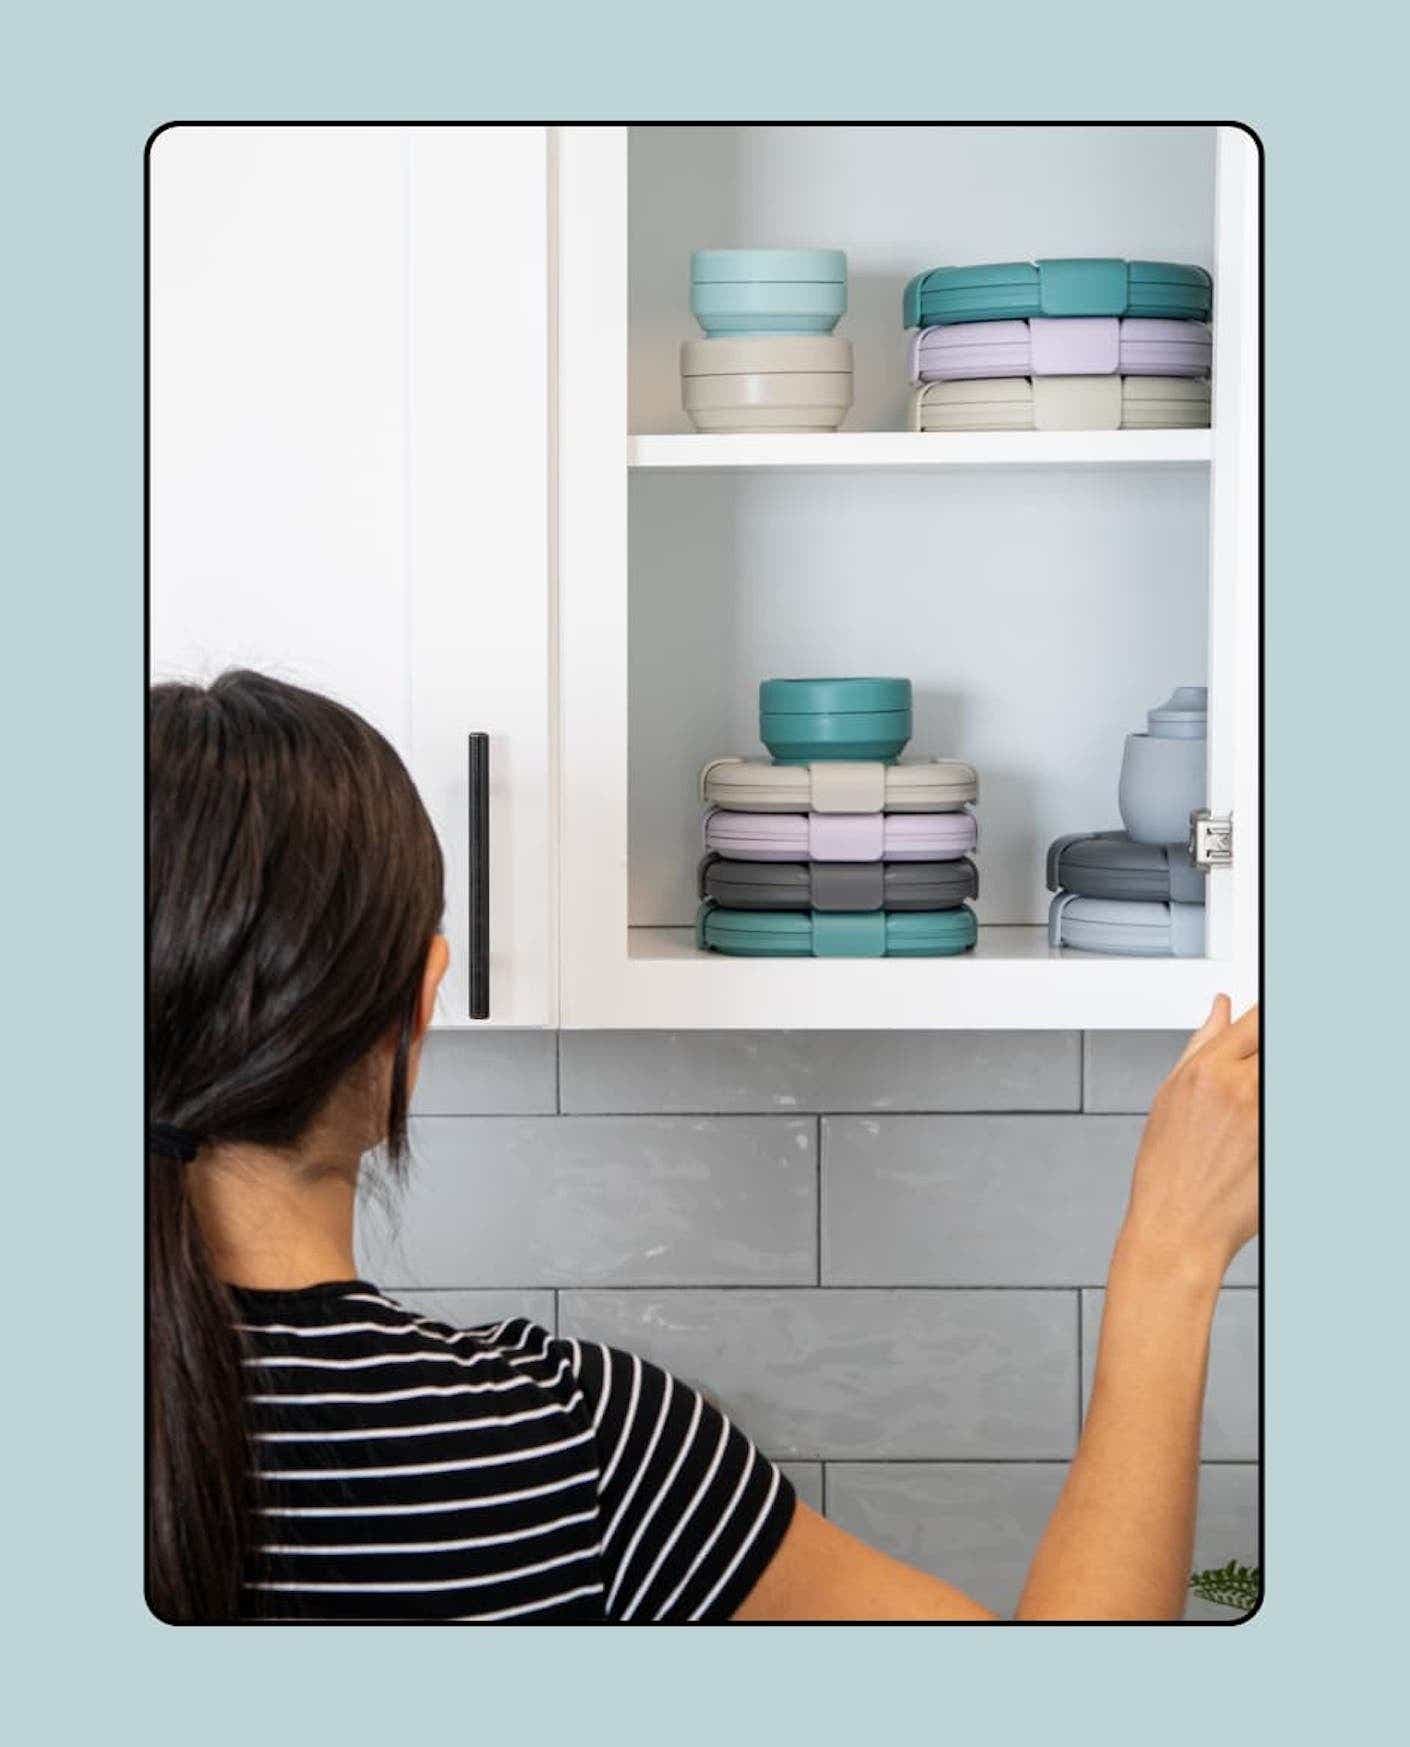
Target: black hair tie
x,y
170,1142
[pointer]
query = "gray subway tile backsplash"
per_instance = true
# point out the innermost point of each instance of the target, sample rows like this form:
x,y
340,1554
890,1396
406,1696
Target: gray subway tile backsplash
x,y
492,1073
1121,1070
870,1249
820,1070
637,1200
973,1200
838,1373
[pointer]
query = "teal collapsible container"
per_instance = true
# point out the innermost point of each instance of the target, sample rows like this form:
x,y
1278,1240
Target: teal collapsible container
x,y
1023,290
805,719
835,934
768,291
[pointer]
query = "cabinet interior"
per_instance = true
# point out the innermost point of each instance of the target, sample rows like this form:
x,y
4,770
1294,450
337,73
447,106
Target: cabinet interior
x,y
1039,610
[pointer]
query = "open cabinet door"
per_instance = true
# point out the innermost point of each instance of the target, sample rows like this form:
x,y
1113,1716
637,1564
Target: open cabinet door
x,y
1235,565
349,473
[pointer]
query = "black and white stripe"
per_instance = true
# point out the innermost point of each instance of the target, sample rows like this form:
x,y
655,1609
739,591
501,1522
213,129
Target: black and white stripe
x,y
409,1470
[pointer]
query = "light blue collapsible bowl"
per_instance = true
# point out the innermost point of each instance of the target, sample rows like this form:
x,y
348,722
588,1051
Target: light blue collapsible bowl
x,y
805,719
768,291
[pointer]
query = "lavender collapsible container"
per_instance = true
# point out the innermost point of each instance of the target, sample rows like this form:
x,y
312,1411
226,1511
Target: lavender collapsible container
x,y
839,836
1057,346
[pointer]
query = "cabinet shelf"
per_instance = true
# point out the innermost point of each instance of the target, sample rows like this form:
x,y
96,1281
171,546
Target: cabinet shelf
x,y
1011,976
912,451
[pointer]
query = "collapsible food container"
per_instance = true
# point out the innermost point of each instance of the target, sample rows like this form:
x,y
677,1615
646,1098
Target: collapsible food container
x,y
1053,346
929,785
1020,290
1061,403
789,382
768,291
1163,770
1126,928
835,934
1110,864
840,836
1183,716
800,719
838,885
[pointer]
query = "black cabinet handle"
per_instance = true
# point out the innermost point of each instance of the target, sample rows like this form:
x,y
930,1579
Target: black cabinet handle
x,y
477,939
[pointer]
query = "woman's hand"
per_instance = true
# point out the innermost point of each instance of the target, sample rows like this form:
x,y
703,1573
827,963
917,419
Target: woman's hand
x,y
1194,1194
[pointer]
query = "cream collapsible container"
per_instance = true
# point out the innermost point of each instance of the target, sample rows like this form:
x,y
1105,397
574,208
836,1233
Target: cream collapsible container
x,y
772,382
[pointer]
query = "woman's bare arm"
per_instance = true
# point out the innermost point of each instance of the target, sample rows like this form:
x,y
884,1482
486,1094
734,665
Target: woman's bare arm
x,y
1118,1544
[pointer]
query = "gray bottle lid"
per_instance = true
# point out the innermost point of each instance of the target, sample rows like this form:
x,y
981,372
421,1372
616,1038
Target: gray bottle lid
x,y
1182,716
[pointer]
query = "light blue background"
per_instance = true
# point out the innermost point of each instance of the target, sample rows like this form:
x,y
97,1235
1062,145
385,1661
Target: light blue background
x,y
84,85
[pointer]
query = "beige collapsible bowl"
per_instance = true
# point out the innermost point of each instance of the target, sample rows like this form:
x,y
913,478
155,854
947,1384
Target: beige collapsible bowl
x,y
1061,403
777,382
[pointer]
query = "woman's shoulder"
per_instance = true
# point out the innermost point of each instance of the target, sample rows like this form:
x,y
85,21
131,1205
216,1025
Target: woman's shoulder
x,y
374,1338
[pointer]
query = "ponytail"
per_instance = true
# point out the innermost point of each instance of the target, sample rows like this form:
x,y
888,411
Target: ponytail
x,y
294,885
199,1476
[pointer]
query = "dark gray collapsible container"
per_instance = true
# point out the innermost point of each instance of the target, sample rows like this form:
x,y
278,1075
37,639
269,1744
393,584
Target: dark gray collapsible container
x,y
837,885
1110,864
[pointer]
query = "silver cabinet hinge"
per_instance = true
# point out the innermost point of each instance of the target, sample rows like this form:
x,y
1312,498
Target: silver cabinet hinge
x,y
1211,840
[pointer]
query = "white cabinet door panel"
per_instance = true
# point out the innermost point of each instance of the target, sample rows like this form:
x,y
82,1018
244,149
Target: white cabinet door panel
x,y
349,465
278,416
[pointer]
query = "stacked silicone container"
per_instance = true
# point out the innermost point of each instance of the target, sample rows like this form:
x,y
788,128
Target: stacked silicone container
x,y
770,360
1062,345
835,847
1136,892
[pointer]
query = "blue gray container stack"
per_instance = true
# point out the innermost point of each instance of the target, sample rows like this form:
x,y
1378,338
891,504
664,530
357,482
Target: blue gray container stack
x,y
1135,892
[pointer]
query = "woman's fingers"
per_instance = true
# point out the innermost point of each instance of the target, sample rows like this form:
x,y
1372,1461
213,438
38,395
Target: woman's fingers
x,y
1217,1022
1243,1037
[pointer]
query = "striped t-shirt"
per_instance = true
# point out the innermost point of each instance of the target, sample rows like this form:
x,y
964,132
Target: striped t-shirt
x,y
410,1470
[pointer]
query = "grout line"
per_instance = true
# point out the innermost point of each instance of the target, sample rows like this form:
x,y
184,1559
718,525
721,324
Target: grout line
x,y
556,1328
822,1489
827,1462
1081,1336
558,1073
1082,1072
819,1240
795,1115
600,1287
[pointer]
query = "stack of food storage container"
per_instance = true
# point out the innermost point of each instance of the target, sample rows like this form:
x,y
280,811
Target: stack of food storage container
x,y
1070,345
770,361
836,848
1136,892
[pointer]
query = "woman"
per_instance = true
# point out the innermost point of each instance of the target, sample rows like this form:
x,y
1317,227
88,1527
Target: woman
x,y
318,1452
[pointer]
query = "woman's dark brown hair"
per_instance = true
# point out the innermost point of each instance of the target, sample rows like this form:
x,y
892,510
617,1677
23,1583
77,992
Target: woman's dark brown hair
x,y
294,886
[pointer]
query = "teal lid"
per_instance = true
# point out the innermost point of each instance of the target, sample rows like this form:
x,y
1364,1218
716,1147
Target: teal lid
x,y
807,697
835,934
930,933
1080,286
714,266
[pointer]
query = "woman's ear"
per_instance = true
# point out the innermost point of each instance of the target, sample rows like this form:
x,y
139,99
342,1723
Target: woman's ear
x,y
437,960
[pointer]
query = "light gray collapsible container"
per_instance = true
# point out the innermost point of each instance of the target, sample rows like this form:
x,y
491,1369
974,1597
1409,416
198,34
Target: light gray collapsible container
x,y
1111,864
1163,770
1126,928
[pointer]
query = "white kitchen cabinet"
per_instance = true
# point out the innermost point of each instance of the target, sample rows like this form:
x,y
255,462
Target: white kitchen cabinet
x,y
349,474
1042,590
416,440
